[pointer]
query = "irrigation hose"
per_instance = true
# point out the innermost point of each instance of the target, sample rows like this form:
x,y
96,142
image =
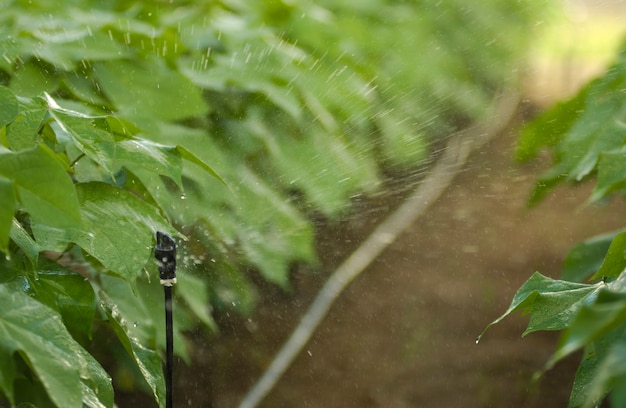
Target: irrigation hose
x,y
165,253
456,153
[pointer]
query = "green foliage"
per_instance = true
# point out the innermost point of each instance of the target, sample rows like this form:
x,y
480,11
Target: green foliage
x,y
587,135
114,115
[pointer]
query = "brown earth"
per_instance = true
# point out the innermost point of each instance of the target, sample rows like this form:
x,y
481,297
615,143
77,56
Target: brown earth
x,y
403,333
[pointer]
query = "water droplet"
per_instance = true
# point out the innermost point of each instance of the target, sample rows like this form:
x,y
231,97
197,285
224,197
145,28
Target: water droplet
x,y
135,324
183,197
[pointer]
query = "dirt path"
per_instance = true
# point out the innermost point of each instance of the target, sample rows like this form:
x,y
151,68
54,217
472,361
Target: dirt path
x,y
403,334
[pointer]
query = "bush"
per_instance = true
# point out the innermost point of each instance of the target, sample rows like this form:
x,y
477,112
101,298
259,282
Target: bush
x,y
116,118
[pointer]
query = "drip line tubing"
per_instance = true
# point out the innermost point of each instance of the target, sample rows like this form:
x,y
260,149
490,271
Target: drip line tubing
x,y
455,155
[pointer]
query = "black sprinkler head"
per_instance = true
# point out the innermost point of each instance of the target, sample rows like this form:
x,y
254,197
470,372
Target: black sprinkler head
x,y
165,254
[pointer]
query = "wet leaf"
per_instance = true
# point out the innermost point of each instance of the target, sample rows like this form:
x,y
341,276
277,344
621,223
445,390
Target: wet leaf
x,y
586,134
93,137
26,243
551,304
192,158
610,377
194,291
615,260
44,189
586,258
22,133
116,228
150,91
611,174
68,293
28,327
146,358
8,204
598,317
8,106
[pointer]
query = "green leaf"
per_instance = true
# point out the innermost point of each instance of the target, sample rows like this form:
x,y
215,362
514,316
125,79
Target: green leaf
x,y
195,294
68,293
30,80
28,327
607,312
26,243
89,134
8,106
92,135
149,91
586,258
23,131
44,188
147,359
611,174
187,155
271,232
551,304
551,127
615,259
610,377
587,371
116,228
8,204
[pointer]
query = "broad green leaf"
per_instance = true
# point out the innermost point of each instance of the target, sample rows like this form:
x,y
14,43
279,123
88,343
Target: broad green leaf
x,y
163,160
8,204
586,258
328,189
189,156
26,243
28,327
93,137
149,91
273,234
610,377
596,318
146,358
22,132
89,44
44,189
546,183
611,174
587,371
8,106
615,260
587,135
89,134
68,293
117,229
551,304
30,79
133,309
549,129
195,294
151,295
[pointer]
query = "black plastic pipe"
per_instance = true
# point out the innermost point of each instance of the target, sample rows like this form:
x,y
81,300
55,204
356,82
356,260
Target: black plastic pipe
x,y
165,254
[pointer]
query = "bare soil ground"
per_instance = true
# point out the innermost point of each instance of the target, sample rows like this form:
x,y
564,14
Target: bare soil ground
x,y
403,334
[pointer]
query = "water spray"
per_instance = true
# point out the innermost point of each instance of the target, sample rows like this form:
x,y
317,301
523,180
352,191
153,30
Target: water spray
x,y
165,253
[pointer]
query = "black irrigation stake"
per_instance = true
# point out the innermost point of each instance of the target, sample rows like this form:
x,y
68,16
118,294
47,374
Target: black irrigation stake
x,y
165,253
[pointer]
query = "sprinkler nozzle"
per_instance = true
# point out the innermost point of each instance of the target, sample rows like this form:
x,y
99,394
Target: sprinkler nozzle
x,y
165,254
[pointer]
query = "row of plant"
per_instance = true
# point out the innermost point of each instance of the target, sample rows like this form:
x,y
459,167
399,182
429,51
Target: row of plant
x,y
587,136
225,124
